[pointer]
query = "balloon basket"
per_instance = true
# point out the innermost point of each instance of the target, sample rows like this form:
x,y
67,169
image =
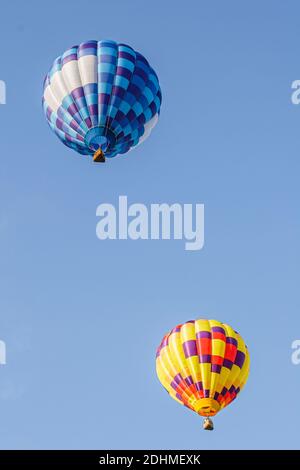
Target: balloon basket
x,y
208,424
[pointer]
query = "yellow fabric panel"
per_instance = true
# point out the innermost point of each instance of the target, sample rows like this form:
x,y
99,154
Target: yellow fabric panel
x,y
176,349
202,325
188,332
206,375
194,368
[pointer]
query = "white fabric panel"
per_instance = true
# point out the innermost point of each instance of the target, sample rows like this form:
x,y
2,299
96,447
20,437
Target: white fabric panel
x,y
88,65
51,100
71,75
58,86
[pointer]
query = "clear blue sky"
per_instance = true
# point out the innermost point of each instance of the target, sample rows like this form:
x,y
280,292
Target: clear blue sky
x,y
82,318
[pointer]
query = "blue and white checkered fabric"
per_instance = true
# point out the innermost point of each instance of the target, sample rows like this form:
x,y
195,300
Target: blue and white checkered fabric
x,y
101,94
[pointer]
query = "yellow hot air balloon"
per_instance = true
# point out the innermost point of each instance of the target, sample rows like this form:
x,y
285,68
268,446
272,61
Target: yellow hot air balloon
x,y
203,364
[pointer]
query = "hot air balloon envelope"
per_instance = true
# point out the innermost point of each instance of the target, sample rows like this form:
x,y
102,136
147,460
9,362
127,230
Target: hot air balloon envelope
x,y
203,364
101,98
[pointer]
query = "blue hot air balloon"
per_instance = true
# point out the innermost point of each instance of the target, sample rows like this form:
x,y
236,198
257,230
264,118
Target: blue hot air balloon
x,y
101,98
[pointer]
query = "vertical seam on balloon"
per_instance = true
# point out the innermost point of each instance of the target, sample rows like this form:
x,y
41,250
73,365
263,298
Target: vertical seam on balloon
x,y
230,378
126,90
69,94
224,349
110,97
84,97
